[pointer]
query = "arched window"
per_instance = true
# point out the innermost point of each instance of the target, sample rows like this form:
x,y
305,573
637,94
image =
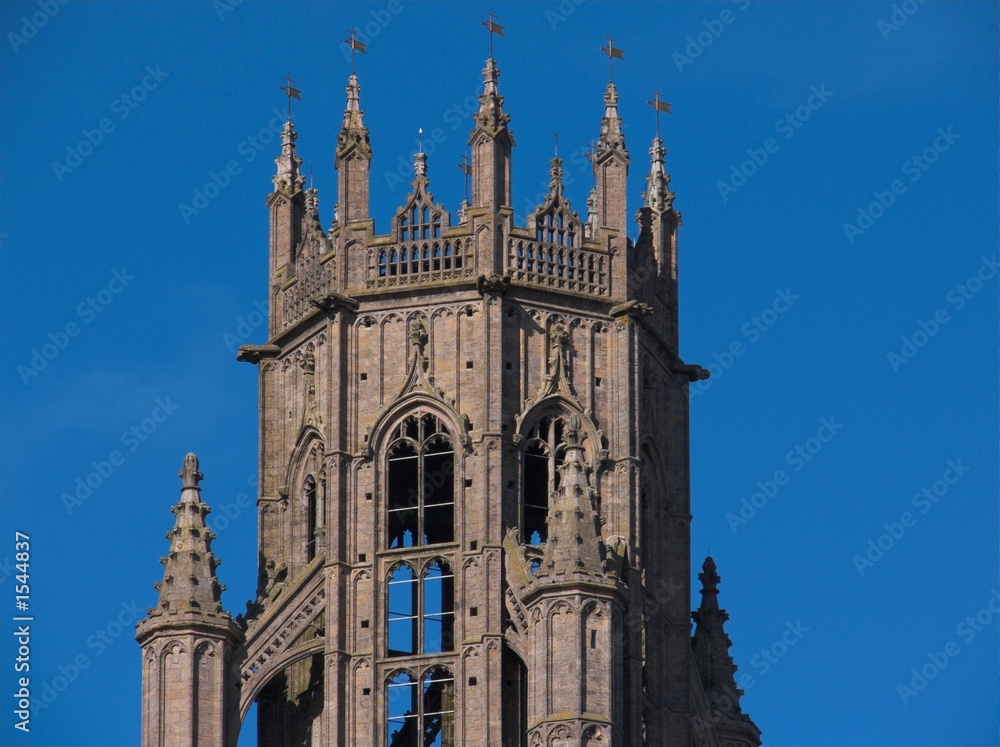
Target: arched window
x,y
421,611
421,714
420,484
543,453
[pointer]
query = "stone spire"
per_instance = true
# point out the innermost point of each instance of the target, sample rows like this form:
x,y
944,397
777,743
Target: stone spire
x,y
187,639
287,206
288,178
491,116
353,159
611,160
573,545
491,143
715,665
612,137
658,196
190,587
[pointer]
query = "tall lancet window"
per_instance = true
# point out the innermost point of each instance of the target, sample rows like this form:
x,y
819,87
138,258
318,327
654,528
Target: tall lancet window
x,y
312,515
543,453
420,483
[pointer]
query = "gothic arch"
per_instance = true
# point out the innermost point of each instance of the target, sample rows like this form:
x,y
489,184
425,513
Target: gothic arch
x,y
559,406
306,483
412,403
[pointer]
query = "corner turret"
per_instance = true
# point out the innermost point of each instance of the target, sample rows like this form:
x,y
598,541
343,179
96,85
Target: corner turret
x,y
715,666
187,637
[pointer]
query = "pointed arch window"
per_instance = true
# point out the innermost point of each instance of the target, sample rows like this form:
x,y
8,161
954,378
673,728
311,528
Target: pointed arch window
x,y
421,611
543,453
421,713
420,483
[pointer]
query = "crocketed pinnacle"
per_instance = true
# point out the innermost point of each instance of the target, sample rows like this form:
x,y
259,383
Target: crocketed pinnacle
x,y
658,196
288,177
711,648
491,116
612,138
573,545
353,134
190,585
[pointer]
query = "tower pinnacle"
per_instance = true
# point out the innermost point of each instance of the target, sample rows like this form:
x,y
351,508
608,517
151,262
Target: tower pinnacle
x,y
658,196
491,116
491,143
353,159
187,639
715,665
611,137
573,544
288,178
190,586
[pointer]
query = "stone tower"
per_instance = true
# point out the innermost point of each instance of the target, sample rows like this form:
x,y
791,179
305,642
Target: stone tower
x,y
474,498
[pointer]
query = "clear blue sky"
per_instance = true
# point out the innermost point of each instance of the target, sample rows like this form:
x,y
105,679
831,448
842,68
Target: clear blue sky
x,y
872,347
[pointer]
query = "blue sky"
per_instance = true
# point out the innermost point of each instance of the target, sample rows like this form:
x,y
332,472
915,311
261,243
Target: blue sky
x,y
836,166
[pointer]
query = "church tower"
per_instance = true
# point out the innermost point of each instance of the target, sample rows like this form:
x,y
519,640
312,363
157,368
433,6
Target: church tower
x,y
474,510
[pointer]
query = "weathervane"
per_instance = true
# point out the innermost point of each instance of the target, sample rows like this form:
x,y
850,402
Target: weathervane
x,y
291,93
613,53
493,28
659,105
355,46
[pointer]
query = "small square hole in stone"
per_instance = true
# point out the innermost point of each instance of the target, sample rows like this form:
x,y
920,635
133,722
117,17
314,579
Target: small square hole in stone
x,y
468,483
368,496
468,364
597,381
474,545
508,365
473,612
366,691
363,377
362,557
473,681
364,623
510,485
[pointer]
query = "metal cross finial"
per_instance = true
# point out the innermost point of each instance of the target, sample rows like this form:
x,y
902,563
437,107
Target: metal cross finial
x,y
291,93
493,28
613,53
355,45
659,105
